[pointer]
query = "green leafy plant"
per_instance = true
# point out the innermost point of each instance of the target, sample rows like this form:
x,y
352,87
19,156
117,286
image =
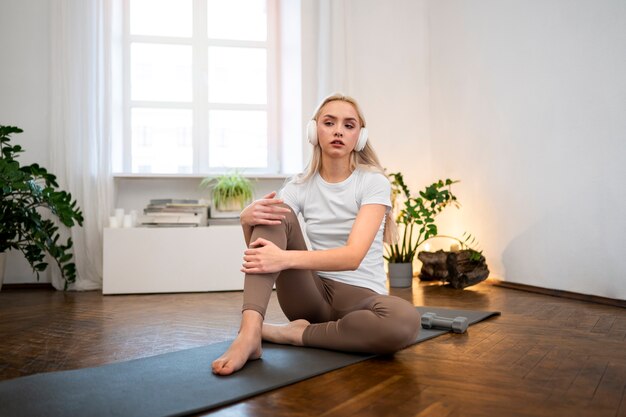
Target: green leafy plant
x,y
417,215
229,190
25,191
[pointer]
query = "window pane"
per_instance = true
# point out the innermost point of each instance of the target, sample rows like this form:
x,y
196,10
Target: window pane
x,y
161,17
237,75
161,140
237,138
237,19
160,72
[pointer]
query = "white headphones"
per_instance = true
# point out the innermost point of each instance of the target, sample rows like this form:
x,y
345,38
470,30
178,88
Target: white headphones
x,y
311,132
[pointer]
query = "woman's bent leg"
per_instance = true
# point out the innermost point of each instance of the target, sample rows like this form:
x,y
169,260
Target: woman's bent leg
x,y
374,324
257,291
303,298
258,287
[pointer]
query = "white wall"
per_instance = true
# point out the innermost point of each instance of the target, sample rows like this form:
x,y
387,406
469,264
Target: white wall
x,y
24,90
24,74
388,71
528,109
383,64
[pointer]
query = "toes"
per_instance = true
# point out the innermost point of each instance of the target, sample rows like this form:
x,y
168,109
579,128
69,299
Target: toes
x,y
222,367
224,370
217,365
236,357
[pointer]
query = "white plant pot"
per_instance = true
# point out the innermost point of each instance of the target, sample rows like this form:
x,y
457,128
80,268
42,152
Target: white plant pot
x,y
225,214
400,275
229,209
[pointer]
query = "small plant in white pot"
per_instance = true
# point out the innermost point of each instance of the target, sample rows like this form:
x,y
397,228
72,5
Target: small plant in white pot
x,y
230,193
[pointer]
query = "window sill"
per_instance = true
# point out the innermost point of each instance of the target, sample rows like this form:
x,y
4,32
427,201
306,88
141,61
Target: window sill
x,y
122,175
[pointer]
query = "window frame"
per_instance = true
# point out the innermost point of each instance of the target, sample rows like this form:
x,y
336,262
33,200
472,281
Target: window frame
x,y
199,105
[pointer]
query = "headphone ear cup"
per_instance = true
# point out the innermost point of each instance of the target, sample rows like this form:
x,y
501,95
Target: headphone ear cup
x,y
360,144
311,132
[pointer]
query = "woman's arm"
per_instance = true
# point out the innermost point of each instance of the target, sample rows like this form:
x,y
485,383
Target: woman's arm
x,y
265,257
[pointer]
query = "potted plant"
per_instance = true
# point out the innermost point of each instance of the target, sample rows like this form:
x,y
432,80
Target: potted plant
x,y
416,216
231,192
25,191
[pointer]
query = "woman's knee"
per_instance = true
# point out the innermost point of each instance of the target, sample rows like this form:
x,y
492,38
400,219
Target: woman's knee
x,y
290,221
279,234
293,230
399,328
291,216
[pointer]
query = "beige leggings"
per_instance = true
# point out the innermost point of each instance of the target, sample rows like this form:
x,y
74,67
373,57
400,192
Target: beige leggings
x,y
343,317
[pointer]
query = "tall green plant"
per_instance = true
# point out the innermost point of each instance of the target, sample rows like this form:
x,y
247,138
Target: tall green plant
x,y
25,191
417,215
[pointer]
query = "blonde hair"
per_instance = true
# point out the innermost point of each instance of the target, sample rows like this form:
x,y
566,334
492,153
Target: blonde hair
x,y
365,159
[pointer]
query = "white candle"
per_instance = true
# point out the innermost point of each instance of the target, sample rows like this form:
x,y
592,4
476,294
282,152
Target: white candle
x,y
119,214
113,223
128,221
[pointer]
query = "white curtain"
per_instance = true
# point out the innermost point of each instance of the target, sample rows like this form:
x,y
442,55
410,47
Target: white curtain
x,y
332,48
81,123
327,39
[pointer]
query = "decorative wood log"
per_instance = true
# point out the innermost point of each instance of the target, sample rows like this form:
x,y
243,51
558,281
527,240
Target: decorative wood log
x,y
434,266
454,267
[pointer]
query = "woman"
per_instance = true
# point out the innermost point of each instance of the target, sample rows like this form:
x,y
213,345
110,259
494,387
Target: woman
x,y
334,294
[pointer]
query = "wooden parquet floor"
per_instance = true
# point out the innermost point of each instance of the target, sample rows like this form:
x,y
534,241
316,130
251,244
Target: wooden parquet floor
x,y
545,356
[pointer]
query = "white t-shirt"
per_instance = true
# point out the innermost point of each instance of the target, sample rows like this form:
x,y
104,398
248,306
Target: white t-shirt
x,y
329,211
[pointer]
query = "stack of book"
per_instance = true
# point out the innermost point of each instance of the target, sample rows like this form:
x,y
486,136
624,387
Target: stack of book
x,y
170,212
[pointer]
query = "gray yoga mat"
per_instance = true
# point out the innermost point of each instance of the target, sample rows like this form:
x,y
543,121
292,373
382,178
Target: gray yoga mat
x,y
178,383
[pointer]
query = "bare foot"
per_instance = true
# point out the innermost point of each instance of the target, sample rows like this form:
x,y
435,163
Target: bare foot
x,y
245,347
285,334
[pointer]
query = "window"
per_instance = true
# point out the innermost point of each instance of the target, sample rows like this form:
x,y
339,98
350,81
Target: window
x,y
199,86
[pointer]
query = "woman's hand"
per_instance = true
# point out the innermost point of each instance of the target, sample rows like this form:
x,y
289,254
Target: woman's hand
x,y
264,257
264,211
